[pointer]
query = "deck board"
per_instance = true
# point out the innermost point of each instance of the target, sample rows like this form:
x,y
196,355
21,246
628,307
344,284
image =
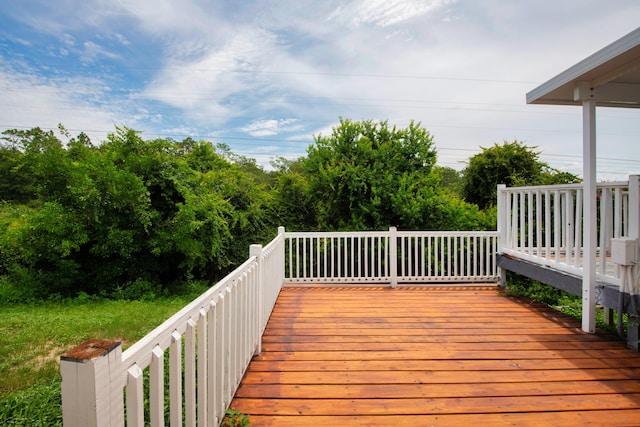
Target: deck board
x,y
433,356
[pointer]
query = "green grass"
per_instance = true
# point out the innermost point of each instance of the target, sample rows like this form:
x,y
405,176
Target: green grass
x,y
564,302
33,336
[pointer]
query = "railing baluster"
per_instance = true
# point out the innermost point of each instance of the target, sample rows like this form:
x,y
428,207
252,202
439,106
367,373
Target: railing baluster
x,y
202,368
514,221
522,244
530,223
579,226
190,374
471,257
135,397
366,247
606,225
448,272
456,257
538,246
227,346
568,223
304,258
212,343
557,231
352,263
219,352
317,239
175,380
156,387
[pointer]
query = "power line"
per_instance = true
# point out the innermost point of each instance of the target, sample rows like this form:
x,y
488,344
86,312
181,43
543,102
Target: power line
x,y
255,141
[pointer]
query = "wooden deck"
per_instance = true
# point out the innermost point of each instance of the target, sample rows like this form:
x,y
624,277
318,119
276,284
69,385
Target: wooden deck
x,y
422,356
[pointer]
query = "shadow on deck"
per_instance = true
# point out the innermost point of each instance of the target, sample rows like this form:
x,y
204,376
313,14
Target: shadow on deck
x,y
446,355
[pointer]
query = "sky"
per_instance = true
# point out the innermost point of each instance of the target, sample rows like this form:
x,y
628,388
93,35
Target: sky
x,y
266,76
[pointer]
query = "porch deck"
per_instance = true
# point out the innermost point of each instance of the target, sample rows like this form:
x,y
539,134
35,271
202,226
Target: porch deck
x,y
433,355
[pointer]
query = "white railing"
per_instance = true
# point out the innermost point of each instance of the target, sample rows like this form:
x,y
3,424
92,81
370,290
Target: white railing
x,y
206,346
545,224
202,351
391,257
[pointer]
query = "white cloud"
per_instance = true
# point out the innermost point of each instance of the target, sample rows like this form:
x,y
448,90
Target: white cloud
x,y
92,51
204,87
456,66
260,128
384,13
79,103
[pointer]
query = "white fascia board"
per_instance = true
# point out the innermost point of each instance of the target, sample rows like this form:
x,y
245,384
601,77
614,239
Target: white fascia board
x,y
562,84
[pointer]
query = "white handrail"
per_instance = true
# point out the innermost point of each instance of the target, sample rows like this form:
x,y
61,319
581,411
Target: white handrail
x,y
545,225
218,333
208,345
391,256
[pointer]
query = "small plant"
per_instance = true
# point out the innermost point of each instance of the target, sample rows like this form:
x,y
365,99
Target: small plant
x,y
235,419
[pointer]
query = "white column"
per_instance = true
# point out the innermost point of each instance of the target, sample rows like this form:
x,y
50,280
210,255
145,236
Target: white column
x,y
502,230
90,394
633,324
393,256
590,214
634,208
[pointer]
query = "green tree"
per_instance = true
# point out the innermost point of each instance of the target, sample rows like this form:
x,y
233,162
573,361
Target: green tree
x,y
451,178
128,217
293,206
509,163
355,174
367,176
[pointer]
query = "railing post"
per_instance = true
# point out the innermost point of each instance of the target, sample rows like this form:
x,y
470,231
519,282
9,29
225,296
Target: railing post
x,y
393,256
502,231
633,324
281,257
634,208
256,251
91,396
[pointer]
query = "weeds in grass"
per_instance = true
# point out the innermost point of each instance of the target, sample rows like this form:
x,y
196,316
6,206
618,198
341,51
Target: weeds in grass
x,y
235,419
38,405
32,337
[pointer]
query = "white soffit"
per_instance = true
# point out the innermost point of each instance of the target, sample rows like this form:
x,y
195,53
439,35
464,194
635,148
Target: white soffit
x,y
611,76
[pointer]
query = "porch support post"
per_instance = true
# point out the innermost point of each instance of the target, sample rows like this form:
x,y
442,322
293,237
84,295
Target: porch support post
x,y
590,212
633,321
502,232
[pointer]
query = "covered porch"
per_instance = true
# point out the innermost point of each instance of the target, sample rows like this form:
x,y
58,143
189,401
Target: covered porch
x,y
608,78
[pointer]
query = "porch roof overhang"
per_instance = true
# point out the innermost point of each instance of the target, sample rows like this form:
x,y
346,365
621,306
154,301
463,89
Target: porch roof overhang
x,y
611,76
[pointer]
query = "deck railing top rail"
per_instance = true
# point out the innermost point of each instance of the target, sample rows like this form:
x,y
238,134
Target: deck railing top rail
x,y
391,256
207,347
561,187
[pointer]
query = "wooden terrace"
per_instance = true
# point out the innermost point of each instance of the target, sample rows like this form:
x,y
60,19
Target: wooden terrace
x,y
433,355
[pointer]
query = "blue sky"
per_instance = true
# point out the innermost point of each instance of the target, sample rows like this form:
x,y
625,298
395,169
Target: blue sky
x,y
264,76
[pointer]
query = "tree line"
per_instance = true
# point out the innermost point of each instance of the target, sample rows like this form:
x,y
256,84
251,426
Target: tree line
x,y
129,216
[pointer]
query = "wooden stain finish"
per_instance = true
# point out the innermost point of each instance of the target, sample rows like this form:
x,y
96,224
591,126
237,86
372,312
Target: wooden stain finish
x,y
415,356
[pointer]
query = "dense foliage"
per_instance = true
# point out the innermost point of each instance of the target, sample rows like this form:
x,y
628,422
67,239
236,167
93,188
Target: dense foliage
x,y
134,218
511,163
128,218
367,175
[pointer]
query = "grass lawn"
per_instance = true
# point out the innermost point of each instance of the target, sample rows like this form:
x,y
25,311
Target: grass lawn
x,y
33,336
